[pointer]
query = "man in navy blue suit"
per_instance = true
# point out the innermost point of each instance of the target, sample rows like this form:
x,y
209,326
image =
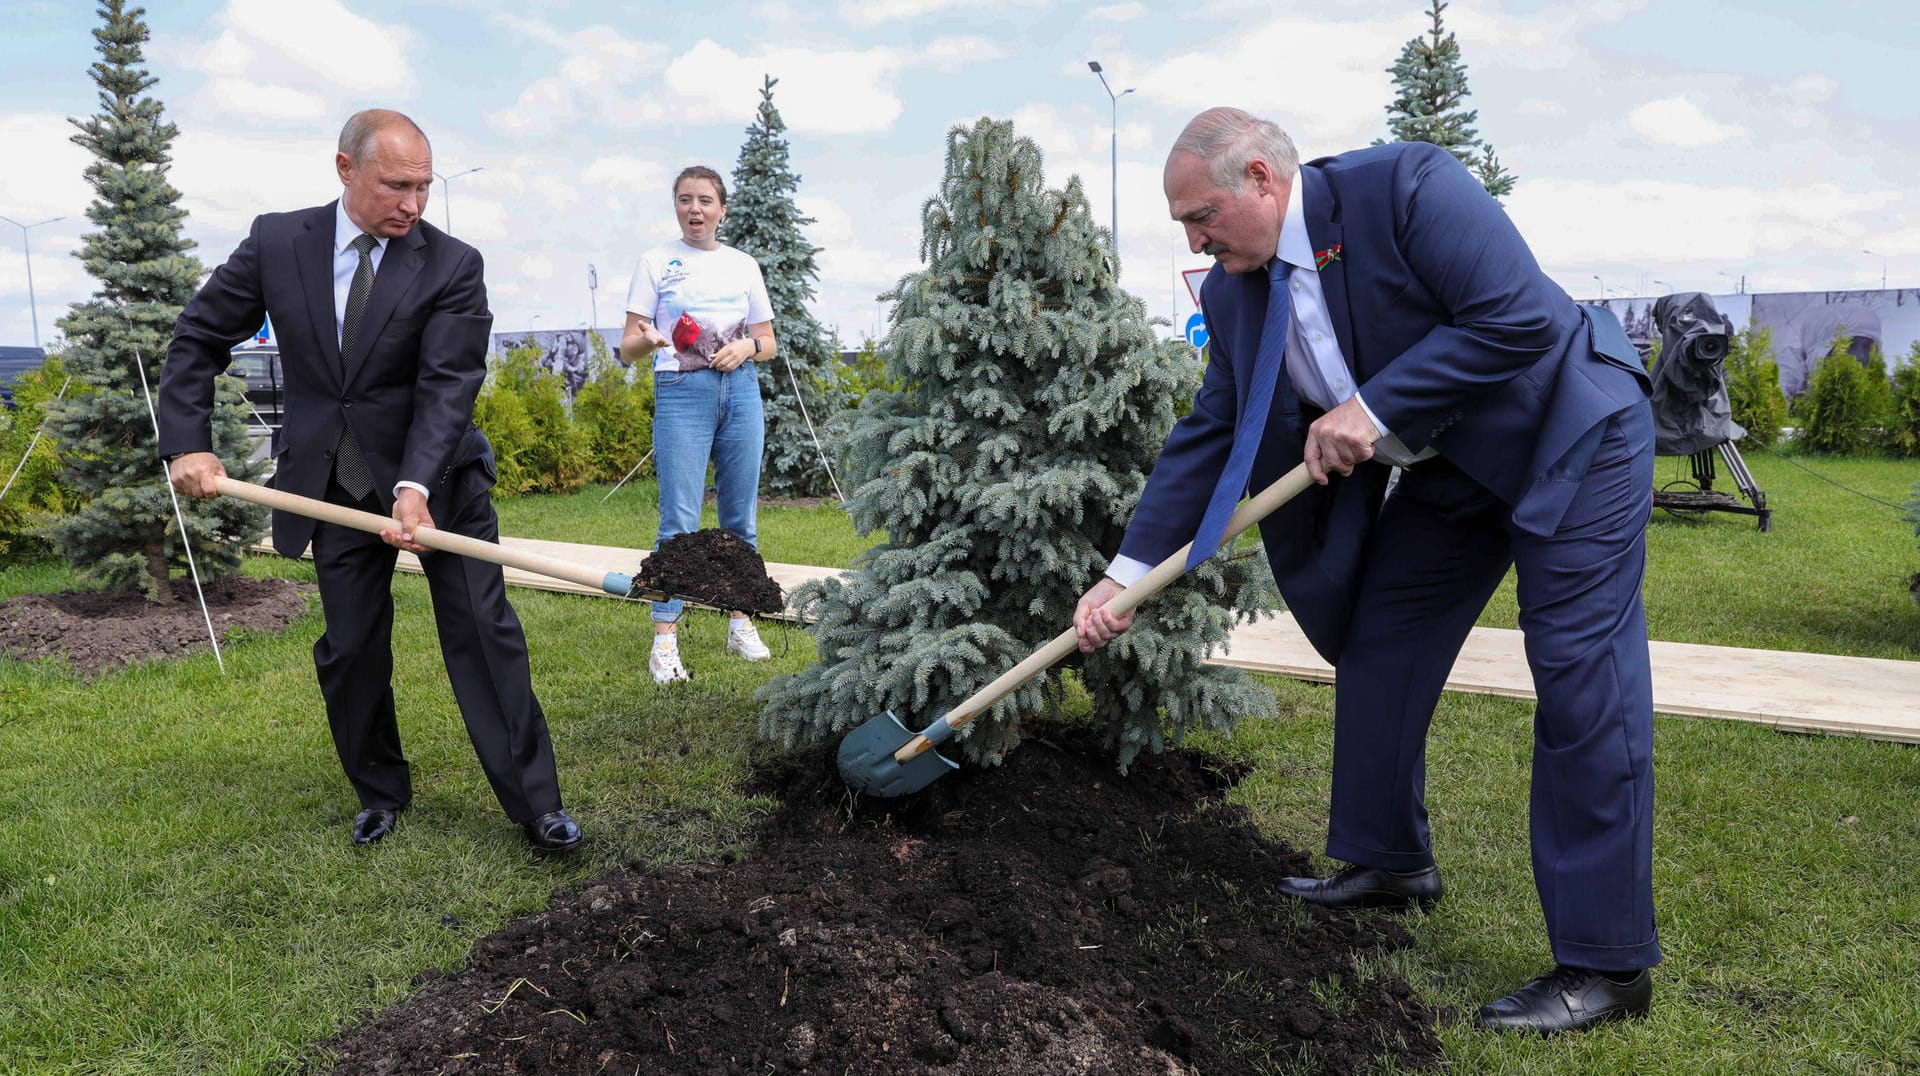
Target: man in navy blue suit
x,y
383,325
1377,310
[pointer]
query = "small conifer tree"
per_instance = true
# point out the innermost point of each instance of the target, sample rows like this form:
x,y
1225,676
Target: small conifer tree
x,y
1903,425
1032,401
763,221
1835,408
124,536
1429,104
1753,385
1876,401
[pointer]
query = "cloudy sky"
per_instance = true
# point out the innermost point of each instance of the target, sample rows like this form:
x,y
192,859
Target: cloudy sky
x,y
1673,146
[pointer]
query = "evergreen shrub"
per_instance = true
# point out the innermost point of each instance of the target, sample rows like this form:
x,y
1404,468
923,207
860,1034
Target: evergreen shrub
x,y
523,411
1032,403
1903,418
1836,412
36,494
614,410
1753,386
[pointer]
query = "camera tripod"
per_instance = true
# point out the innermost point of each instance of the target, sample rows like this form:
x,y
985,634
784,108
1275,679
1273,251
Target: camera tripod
x,y
1700,496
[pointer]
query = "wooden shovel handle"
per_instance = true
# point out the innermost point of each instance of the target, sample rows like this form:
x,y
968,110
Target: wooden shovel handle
x,y
445,541
1256,508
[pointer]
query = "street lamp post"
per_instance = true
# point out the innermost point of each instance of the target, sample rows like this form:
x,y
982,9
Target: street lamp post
x,y
1113,102
593,293
446,192
1883,267
32,308
1603,286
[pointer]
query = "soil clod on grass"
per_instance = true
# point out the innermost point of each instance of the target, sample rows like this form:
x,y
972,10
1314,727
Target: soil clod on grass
x,y
710,567
1043,917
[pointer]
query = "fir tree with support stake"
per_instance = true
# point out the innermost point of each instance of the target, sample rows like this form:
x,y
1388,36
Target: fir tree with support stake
x,y
124,536
798,387
1034,400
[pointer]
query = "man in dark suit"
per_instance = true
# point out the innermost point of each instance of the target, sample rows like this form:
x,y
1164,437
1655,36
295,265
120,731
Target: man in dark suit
x,y
383,324
1409,326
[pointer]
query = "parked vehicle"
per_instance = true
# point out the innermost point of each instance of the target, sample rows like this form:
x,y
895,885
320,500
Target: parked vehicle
x,y
266,388
15,361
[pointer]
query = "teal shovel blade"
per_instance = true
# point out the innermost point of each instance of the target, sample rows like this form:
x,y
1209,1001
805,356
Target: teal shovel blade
x,y
868,766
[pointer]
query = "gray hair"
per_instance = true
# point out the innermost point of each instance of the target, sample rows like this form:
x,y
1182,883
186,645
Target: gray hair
x,y
357,137
1228,139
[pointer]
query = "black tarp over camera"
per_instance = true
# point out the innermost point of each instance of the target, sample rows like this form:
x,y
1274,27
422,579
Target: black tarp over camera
x,y
1690,409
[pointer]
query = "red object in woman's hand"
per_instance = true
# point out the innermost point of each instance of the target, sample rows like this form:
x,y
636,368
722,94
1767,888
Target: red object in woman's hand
x,y
685,332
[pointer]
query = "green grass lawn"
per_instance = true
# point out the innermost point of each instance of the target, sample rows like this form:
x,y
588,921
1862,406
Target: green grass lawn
x,y
178,895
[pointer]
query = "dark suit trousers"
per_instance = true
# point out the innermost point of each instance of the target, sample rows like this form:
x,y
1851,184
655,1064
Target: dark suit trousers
x,y
1442,545
481,641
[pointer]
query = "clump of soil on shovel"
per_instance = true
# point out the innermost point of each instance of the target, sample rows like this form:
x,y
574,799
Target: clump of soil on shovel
x,y
711,567
1044,917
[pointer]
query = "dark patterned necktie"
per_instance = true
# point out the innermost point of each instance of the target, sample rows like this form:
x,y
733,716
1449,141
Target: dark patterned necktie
x,y
349,462
1253,418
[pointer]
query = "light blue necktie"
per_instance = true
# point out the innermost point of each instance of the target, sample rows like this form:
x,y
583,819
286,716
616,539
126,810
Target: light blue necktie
x,y
1253,418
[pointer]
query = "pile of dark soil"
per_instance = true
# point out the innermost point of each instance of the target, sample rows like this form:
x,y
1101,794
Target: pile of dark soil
x,y
1045,917
97,630
710,567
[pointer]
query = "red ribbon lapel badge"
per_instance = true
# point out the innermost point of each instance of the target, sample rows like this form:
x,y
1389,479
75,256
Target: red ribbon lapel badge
x,y
1324,258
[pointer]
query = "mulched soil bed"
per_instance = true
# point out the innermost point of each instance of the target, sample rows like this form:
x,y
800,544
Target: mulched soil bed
x,y
712,567
1047,916
96,630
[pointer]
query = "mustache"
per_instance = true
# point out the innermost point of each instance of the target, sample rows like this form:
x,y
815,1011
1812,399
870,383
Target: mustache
x,y
1214,250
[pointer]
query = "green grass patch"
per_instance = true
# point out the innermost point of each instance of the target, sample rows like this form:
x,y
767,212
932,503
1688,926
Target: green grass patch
x,y
178,893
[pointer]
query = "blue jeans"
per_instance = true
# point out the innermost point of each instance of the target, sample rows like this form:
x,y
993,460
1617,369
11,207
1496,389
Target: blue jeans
x,y
704,416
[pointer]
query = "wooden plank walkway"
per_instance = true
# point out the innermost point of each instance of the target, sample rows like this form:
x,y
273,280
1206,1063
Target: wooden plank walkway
x,y
1811,693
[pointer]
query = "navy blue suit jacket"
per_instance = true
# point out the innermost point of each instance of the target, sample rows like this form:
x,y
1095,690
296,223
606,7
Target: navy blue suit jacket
x,y
1456,339
409,392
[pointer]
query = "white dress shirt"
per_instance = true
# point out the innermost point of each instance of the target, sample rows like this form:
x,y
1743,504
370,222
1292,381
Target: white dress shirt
x,y
1319,371
346,262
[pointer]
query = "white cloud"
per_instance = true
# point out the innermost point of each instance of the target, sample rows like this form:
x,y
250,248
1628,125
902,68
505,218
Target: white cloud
x,y
1331,103
534,265
300,62
1535,106
1649,222
842,92
869,12
950,54
226,179
598,72
605,81
627,174
1676,121
1117,13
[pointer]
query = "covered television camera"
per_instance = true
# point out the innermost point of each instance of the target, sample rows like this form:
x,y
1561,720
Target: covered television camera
x,y
1691,415
1690,409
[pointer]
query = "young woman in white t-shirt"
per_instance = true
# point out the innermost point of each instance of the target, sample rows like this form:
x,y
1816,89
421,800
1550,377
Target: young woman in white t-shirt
x,y
699,313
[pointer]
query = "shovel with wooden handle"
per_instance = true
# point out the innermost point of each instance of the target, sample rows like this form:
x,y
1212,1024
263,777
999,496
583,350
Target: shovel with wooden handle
x,y
618,584
884,758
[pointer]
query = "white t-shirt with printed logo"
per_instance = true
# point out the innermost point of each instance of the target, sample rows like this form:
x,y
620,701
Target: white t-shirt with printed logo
x,y
702,300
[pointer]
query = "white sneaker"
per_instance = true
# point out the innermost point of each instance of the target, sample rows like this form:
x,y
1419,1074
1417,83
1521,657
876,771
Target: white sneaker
x,y
744,639
664,662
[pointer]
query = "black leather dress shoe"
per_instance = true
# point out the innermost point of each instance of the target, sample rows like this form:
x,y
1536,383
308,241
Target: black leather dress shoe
x,y
555,831
1368,887
372,824
1568,999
